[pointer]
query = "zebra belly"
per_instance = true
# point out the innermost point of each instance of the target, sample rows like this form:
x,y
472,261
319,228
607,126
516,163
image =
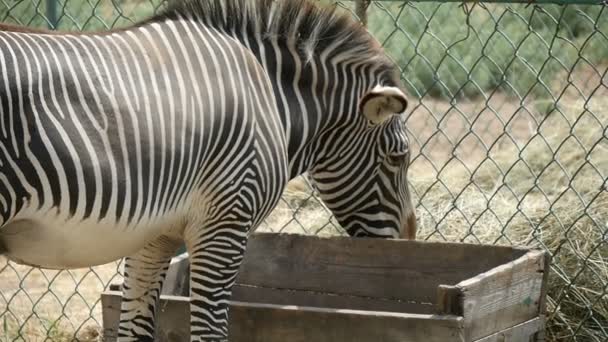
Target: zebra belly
x,y
55,244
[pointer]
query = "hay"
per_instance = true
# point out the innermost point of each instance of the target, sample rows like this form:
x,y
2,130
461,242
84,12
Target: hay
x,y
549,190
541,182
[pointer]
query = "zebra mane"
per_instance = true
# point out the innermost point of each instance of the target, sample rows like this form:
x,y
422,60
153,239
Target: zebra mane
x,y
311,26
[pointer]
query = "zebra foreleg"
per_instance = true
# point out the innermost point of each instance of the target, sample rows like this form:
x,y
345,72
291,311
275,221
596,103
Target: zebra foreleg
x,y
144,276
215,257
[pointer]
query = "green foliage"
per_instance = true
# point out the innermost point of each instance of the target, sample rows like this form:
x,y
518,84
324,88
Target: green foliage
x,y
450,51
77,15
446,50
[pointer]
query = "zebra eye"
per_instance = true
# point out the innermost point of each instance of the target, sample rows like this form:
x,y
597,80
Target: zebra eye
x,y
397,159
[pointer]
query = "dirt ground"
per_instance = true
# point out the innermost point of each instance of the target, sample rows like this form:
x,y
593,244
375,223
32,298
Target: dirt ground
x,y
469,131
53,303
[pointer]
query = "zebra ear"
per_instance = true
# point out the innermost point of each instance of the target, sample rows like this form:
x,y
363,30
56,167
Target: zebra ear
x,y
382,102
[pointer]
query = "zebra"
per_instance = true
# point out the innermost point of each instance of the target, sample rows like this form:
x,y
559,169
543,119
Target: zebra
x,y
185,128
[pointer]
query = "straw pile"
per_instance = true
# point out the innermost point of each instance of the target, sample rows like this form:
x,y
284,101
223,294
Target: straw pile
x,y
548,191
545,188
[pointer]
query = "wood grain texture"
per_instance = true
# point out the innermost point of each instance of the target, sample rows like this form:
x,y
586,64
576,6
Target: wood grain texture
x,y
374,268
110,303
271,323
251,322
178,277
504,296
303,288
523,332
250,294
449,300
542,306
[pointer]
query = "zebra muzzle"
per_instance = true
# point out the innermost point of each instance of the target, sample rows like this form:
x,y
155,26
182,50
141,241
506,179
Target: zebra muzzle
x,y
409,231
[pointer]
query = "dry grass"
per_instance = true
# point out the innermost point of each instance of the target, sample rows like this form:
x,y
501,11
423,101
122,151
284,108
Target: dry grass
x,y
498,172
515,177
548,187
44,305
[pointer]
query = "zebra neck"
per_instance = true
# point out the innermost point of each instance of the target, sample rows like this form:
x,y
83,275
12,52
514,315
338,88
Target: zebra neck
x,y
307,94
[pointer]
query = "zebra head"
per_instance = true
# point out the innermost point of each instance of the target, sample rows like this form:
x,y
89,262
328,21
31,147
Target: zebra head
x,y
340,105
363,178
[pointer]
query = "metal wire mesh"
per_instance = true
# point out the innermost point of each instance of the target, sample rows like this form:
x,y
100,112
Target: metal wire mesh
x,y
509,126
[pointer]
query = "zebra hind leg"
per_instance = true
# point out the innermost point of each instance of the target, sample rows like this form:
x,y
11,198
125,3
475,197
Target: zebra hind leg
x,y
215,258
144,276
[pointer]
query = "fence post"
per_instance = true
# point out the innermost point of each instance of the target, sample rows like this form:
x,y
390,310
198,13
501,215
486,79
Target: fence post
x,y
51,14
361,10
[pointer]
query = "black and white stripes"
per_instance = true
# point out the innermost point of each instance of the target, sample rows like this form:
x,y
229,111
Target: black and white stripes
x,y
186,127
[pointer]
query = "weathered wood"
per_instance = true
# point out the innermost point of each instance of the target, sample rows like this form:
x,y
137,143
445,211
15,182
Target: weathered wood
x,y
323,300
520,333
374,268
540,336
173,318
250,322
177,279
272,323
302,288
449,300
504,296
110,303
309,263
542,306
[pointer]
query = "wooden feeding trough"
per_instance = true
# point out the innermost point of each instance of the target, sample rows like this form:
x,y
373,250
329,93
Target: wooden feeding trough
x,y
294,288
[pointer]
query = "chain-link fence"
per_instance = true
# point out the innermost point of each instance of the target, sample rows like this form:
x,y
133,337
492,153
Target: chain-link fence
x,y
509,124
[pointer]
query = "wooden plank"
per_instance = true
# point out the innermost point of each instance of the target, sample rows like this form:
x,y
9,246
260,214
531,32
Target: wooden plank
x,y
250,322
504,296
519,333
449,300
173,318
272,323
364,267
542,306
322,300
110,311
178,277
448,265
